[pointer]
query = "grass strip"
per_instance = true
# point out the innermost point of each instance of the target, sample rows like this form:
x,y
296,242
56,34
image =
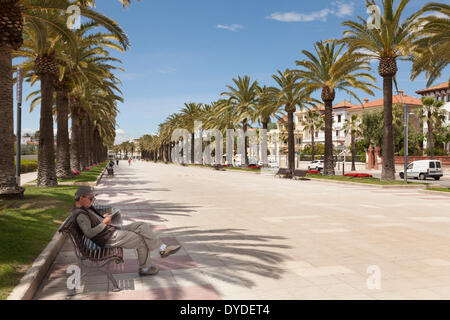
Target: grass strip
x,y
440,189
359,180
87,176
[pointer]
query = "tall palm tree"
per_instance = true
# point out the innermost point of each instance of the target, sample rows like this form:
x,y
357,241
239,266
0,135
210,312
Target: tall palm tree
x,y
312,123
243,97
289,95
393,40
12,14
432,48
432,114
331,69
352,126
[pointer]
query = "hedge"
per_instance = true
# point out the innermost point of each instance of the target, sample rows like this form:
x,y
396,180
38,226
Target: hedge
x,y
27,165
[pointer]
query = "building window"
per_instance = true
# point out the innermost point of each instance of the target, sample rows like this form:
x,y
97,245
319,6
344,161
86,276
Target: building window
x,y
299,141
317,134
339,118
337,133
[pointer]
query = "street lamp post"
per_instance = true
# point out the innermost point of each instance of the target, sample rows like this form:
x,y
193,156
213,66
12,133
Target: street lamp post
x,y
19,123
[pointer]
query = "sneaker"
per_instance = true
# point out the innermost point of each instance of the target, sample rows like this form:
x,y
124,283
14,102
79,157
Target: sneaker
x,y
150,272
169,250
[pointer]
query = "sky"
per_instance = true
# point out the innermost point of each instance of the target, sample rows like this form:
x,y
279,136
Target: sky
x,y
189,51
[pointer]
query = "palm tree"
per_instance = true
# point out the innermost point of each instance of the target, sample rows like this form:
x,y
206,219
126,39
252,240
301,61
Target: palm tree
x,y
329,70
353,127
313,123
432,114
390,41
12,14
244,98
289,95
432,48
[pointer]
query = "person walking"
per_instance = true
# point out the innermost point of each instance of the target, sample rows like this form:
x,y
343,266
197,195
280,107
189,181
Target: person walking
x,y
137,235
129,161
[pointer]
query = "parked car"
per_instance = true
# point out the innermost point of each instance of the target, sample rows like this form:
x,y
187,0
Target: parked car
x,y
424,169
316,165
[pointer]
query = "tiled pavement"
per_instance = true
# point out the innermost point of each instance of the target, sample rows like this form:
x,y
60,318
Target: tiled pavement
x,y
247,236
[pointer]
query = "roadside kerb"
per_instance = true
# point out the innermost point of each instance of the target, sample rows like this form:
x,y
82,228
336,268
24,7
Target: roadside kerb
x,y
440,193
388,186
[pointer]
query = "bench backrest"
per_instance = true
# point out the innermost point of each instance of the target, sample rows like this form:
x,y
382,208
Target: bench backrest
x,y
283,171
84,247
300,173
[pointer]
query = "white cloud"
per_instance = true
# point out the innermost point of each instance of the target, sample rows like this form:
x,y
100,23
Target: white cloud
x,y
339,8
166,70
233,27
120,131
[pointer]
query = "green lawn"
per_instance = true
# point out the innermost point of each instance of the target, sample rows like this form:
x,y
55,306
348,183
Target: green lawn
x,y
359,180
440,189
226,168
242,169
87,176
26,227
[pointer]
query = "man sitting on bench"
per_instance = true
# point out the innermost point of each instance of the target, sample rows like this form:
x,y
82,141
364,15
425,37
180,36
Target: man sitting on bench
x,y
137,235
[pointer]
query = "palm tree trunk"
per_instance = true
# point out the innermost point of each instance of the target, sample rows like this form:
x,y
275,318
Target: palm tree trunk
x,y
353,152
245,158
83,142
430,136
62,137
388,170
75,139
291,141
46,153
8,183
87,145
265,124
328,161
192,148
313,146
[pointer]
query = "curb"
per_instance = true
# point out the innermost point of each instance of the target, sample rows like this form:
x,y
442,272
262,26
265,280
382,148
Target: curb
x,y
437,193
99,178
370,184
32,279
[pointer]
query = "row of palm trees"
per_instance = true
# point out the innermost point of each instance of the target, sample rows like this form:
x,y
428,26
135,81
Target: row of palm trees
x,y
76,76
336,65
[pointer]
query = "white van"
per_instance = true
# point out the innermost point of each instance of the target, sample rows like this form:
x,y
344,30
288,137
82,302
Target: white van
x,y
424,169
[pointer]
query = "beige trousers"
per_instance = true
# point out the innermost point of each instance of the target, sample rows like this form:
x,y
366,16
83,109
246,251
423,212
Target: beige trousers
x,y
139,236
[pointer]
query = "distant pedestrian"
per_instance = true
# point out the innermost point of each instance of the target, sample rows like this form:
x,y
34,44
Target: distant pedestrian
x,y
117,162
129,161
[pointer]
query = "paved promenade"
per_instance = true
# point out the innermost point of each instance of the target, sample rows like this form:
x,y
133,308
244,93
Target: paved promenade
x,y
251,236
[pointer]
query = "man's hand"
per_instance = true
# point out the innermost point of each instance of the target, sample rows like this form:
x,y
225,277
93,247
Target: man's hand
x,y
107,220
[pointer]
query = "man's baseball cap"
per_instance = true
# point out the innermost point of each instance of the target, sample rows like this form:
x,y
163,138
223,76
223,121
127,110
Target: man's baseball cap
x,y
84,191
